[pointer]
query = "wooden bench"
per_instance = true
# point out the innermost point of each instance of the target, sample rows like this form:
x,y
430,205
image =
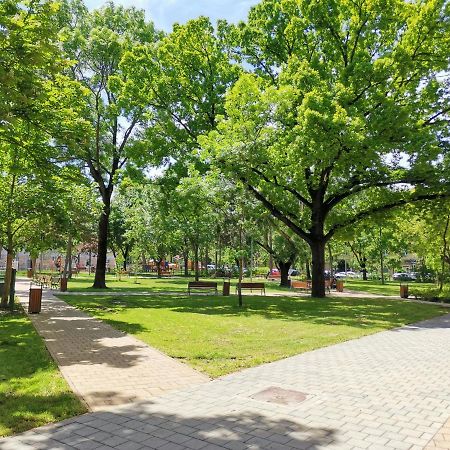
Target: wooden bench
x,y
42,280
202,286
301,285
250,286
166,273
54,283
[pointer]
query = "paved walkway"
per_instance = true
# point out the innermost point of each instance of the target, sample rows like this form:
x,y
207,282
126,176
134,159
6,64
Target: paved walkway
x,y
102,365
390,390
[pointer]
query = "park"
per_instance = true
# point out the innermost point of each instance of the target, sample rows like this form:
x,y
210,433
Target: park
x,y
225,226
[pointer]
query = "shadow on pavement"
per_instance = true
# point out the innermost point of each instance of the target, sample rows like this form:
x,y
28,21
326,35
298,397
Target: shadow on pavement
x,y
139,425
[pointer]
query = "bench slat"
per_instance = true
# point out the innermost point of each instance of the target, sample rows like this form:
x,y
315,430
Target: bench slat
x,y
250,285
205,285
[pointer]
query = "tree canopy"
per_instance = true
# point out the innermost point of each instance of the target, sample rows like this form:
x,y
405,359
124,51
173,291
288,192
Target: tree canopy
x,y
343,114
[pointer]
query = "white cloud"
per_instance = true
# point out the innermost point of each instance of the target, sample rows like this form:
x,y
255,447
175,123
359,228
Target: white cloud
x,y
166,12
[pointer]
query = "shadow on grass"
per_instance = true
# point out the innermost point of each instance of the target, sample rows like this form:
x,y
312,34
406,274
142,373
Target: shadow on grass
x,y
142,424
31,390
21,412
22,352
355,312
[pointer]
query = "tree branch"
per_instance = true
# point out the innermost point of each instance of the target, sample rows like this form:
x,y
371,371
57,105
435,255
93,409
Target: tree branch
x,y
276,212
382,208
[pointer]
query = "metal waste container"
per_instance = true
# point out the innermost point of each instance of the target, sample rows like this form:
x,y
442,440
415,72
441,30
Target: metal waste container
x,y
404,291
226,288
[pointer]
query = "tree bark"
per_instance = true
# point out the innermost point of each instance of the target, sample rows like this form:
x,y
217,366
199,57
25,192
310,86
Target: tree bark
x,y
8,273
444,252
197,272
364,269
284,272
125,253
381,258
33,264
68,262
308,270
318,268
186,262
102,246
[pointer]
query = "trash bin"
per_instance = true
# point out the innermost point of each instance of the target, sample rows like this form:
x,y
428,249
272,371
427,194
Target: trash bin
x,y
340,285
29,273
63,284
35,300
404,291
226,288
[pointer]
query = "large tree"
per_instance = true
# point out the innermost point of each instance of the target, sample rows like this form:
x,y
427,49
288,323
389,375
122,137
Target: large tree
x,y
181,83
344,114
97,41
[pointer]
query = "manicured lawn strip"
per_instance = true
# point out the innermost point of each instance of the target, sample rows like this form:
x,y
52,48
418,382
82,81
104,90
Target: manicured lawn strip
x,y
375,287
215,336
83,283
32,390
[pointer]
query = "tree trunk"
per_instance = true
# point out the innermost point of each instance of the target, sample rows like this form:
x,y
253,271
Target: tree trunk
x,y
68,262
158,261
318,268
330,258
241,268
284,272
125,254
197,272
270,244
308,271
444,252
186,263
102,246
206,261
364,269
381,258
33,264
8,273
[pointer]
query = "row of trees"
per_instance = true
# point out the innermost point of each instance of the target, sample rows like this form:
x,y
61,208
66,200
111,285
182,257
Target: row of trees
x,y
326,113
209,220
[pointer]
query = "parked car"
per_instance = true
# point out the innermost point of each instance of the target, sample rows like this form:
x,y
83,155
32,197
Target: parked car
x,y
273,274
293,272
403,276
340,274
349,274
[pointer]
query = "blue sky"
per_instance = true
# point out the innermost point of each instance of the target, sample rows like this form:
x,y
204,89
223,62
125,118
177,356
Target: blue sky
x,y
166,12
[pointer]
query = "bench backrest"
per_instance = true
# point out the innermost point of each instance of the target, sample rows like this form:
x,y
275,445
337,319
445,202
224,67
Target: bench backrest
x,y
300,284
252,285
211,284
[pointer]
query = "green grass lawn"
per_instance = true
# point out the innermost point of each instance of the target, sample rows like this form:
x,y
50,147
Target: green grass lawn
x,y
375,287
214,335
83,283
32,390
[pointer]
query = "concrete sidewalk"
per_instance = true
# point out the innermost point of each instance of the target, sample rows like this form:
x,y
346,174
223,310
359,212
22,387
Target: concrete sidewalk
x,y
102,365
389,390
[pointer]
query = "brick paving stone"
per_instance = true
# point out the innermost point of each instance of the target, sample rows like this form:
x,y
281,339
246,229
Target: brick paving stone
x,y
441,441
102,365
384,391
